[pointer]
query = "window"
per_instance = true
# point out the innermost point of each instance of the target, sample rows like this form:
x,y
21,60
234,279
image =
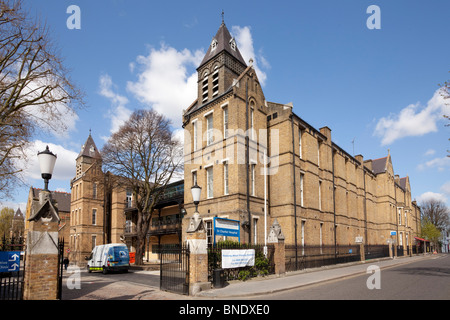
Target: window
x,y
209,129
252,179
233,44
251,124
129,198
94,242
194,126
194,177
209,182
255,230
214,44
215,84
320,195
225,178
399,216
302,178
318,153
94,190
225,122
300,133
205,87
209,232
94,216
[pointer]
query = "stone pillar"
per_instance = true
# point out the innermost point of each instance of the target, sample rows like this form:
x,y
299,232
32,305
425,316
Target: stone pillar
x,y
198,256
277,238
41,265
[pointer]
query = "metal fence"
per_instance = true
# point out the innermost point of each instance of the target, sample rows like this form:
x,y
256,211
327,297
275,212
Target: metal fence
x,y
263,265
11,282
174,269
376,251
303,257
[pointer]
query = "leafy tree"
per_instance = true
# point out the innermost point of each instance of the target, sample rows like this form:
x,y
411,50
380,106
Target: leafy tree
x,y
6,216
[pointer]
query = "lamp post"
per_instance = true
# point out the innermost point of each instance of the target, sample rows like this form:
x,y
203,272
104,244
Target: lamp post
x,y
46,163
196,191
196,222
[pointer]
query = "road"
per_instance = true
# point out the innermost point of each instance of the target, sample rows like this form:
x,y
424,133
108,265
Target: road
x,y
134,285
427,279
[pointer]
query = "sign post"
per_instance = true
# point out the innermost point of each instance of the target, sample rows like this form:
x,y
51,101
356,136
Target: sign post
x,y
9,261
226,227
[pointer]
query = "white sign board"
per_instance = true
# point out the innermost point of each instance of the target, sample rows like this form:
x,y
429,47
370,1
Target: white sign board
x,y
238,258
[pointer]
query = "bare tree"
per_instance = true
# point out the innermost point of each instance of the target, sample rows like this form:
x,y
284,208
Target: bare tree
x,y
35,90
436,213
144,156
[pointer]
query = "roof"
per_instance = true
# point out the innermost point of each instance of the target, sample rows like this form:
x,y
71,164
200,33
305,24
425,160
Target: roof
x,y
62,198
89,149
379,165
19,215
223,40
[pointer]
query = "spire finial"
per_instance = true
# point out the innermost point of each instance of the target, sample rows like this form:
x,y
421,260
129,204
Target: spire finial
x,y
223,14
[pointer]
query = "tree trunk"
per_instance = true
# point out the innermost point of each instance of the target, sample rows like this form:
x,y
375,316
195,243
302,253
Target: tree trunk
x,y
140,251
141,235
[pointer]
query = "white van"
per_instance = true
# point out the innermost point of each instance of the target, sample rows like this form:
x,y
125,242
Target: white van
x,y
109,257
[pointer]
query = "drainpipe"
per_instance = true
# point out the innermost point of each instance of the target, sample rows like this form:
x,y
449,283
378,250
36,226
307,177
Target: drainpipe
x,y
295,193
247,161
334,201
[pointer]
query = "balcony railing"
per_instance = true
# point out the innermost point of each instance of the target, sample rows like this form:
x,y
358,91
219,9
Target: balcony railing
x,y
158,226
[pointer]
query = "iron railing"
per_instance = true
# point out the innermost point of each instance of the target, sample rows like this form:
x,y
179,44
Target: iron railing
x,y
304,257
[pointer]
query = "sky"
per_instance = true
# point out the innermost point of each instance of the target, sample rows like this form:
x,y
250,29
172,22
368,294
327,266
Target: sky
x,y
375,88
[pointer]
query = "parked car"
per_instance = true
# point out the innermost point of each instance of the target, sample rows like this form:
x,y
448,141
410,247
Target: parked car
x,y
109,257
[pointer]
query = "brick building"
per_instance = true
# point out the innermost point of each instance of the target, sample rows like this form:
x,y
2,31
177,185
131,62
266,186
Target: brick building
x,y
102,210
317,191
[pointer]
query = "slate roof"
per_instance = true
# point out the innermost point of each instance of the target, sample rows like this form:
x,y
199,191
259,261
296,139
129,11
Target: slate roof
x,y
379,165
62,198
89,149
223,38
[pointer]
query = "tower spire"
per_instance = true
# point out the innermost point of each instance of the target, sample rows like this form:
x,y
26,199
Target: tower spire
x,y
223,20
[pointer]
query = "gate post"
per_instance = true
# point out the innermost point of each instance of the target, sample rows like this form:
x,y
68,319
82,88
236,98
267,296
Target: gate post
x,y
277,238
198,256
41,265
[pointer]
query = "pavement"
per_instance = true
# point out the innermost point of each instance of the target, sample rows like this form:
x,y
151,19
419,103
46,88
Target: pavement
x,y
98,288
297,279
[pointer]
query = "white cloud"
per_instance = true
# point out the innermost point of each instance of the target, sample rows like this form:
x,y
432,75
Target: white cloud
x,y
64,166
439,163
445,188
413,120
244,41
431,196
430,152
120,113
164,82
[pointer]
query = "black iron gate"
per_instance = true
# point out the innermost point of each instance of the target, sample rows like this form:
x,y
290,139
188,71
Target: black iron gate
x,y
174,269
11,280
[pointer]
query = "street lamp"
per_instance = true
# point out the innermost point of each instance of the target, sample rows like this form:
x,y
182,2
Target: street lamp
x,y
196,223
47,163
196,191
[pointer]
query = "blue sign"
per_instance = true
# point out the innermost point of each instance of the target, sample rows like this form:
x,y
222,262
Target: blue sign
x,y
9,261
226,227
